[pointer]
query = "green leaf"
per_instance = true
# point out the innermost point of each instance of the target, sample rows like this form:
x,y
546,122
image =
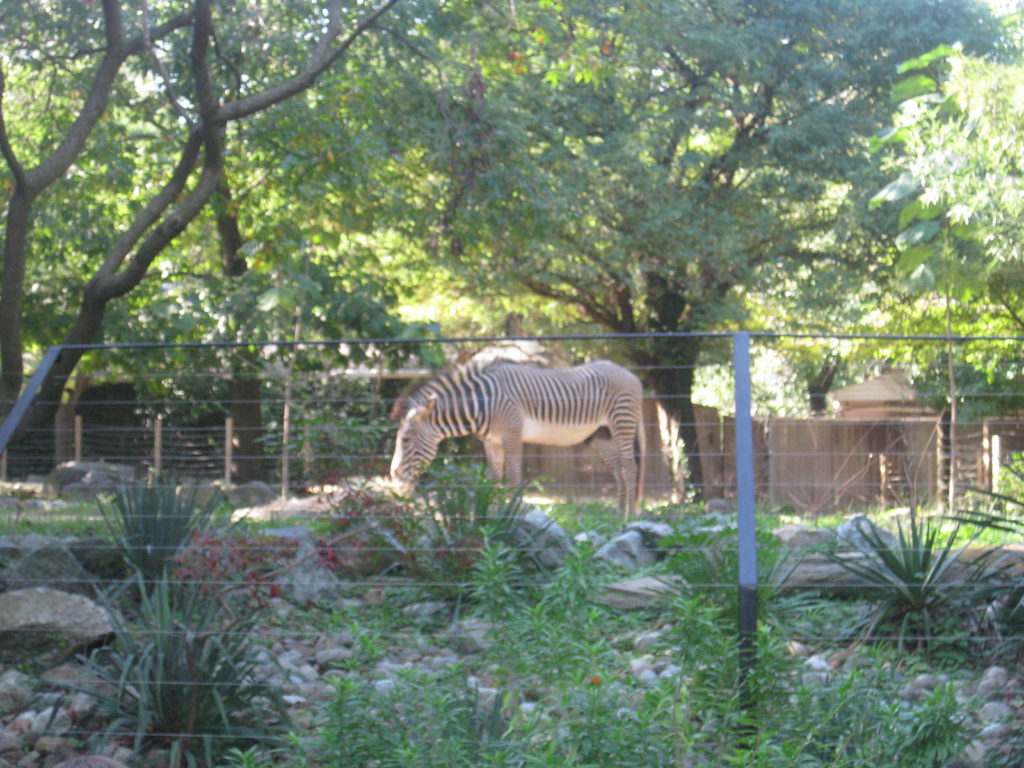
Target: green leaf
x,y
921,232
925,59
918,210
915,85
274,297
902,187
892,135
912,258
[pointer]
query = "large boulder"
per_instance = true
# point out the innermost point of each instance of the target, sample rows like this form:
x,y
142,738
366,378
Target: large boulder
x,y
627,551
541,539
252,494
642,592
51,565
304,580
86,480
43,626
861,534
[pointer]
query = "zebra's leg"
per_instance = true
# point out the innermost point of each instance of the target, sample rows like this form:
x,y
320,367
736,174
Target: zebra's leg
x,y
623,441
609,450
494,449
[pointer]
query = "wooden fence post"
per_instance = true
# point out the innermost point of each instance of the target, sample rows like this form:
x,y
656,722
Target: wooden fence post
x,y
78,437
158,445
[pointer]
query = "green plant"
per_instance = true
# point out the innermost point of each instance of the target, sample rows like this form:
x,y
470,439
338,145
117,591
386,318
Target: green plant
x,y
424,722
183,677
920,585
497,580
704,552
151,523
463,507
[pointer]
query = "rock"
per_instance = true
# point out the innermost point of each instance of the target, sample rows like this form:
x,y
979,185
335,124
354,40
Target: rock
x,y
51,720
643,592
646,640
651,532
329,656
252,494
541,539
647,678
804,539
15,690
103,559
993,681
49,566
920,687
859,533
304,580
47,625
824,574
9,742
627,551
425,610
14,547
470,635
994,712
85,480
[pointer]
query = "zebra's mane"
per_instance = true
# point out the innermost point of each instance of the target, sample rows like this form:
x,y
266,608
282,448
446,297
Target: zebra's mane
x,y
453,374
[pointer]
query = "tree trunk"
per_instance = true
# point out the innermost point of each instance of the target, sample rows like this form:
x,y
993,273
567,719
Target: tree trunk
x,y
819,385
250,461
671,379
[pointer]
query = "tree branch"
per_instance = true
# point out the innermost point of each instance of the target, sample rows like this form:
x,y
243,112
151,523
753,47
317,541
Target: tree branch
x,y
17,171
322,58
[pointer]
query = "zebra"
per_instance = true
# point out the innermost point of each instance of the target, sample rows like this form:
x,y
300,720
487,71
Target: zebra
x,y
506,404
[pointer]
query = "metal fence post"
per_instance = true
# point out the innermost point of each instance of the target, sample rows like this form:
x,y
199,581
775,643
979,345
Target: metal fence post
x,y
746,535
229,450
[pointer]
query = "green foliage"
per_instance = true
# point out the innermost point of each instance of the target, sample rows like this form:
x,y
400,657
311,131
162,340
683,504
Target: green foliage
x,y
424,722
856,721
151,523
703,550
955,147
183,676
465,509
922,585
555,696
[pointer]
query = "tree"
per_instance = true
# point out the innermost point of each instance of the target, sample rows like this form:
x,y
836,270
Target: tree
x,y
650,164
94,84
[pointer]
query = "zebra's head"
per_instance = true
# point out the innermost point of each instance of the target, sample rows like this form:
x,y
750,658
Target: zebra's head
x,y
416,443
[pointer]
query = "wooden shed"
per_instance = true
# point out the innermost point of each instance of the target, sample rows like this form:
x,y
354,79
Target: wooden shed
x,y
882,398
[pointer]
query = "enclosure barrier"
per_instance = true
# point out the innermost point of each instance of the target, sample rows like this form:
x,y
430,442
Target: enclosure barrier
x,y
902,454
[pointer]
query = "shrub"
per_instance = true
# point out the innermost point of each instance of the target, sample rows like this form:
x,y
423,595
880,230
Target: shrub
x,y
459,512
921,586
183,677
219,561
151,523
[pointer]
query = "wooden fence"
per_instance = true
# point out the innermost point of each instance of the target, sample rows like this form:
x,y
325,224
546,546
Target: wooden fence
x,y
813,466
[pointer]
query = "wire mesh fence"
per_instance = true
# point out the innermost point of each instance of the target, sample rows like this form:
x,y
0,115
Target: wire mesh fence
x,y
884,471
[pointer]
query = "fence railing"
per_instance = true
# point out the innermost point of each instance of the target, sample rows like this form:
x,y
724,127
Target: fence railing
x,y
241,412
